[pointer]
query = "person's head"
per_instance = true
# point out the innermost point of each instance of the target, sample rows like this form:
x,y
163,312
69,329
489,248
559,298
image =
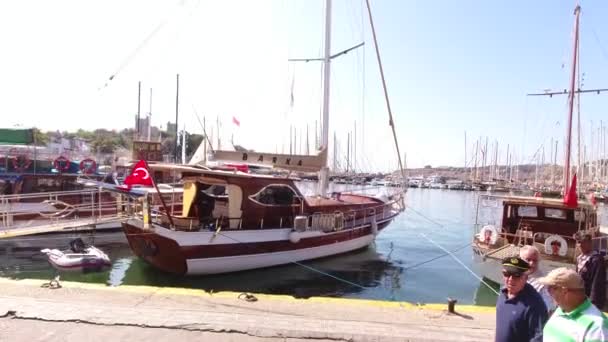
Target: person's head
x,y
531,255
487,236
514,274
584,242
566,287
555,247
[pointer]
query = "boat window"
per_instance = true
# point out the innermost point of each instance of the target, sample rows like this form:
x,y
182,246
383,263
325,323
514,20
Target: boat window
x,y
276,195
509,211
555,213
47,185
69,185
215,190
527,211
579,215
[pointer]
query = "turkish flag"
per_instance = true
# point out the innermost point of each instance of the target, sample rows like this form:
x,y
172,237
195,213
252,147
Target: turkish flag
x,y
570,197
236,122
139,175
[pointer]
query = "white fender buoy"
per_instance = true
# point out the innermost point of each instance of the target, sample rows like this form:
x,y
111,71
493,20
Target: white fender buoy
x,y
556,245
294,237
374,227
488,235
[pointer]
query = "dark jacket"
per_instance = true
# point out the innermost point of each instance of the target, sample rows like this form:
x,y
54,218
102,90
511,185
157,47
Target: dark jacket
x,y
522,318
594,276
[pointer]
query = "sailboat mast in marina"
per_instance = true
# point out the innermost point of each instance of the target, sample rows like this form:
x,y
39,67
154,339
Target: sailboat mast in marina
x,y
547,223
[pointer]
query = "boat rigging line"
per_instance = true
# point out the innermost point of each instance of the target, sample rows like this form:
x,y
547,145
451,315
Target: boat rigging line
x,y
344,52
132,55
460,262
310,268
204,131
391,122
437,257
425,217
141,45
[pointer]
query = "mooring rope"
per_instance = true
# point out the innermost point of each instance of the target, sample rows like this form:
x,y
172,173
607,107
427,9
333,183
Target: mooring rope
x,y
437,257
460,262
302,265
424,216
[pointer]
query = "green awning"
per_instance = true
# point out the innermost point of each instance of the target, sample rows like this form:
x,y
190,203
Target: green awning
x,y
16,136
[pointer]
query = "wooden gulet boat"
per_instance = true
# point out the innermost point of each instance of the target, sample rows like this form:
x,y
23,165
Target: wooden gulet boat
x,y
546,223
259,221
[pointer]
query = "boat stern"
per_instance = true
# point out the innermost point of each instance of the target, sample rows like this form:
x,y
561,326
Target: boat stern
x,y
159,251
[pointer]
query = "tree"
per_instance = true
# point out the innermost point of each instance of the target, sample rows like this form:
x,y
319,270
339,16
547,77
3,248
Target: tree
x,y
192,143
40,138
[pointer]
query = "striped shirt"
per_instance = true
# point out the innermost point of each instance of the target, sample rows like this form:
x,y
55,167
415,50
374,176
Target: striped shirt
x,y
584,324
543,291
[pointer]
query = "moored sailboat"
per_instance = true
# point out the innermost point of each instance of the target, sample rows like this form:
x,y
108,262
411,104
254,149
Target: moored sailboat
x,y
233,221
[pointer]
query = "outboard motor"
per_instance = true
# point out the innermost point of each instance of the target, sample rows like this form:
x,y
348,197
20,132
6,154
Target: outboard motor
x,y
77,245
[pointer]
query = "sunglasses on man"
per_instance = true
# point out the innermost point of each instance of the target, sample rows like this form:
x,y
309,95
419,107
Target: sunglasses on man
x,y
507,274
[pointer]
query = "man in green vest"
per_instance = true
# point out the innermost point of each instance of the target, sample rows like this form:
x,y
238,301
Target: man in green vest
x,y
576,318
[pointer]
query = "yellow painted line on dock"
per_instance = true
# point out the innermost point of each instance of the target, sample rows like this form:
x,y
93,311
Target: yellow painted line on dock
x,y
231,295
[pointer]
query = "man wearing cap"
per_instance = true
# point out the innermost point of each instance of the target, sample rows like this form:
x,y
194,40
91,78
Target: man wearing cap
x,y
590,266
520,310
576,318
531,255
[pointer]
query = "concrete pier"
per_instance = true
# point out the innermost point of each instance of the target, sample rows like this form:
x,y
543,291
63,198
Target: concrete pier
x,y
95,312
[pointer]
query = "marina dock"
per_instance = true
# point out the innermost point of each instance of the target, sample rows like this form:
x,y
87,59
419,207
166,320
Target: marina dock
x,y
31,311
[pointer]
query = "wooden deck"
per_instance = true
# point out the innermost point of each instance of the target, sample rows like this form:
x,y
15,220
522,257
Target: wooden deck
x,y
344,199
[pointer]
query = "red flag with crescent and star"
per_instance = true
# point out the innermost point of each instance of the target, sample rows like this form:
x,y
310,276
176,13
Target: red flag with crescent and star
x,y
140,175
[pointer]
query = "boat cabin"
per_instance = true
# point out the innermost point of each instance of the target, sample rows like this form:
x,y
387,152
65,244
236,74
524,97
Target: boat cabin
x,y
237,200
535,219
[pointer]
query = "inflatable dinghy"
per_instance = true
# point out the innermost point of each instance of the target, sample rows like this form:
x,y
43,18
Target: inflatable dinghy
x,y
78,258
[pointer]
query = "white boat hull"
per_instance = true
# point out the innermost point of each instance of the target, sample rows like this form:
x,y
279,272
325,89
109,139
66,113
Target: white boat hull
x,y
248,262
205,252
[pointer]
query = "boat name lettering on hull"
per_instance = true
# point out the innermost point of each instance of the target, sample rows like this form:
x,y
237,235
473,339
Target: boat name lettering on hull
x,y
274,160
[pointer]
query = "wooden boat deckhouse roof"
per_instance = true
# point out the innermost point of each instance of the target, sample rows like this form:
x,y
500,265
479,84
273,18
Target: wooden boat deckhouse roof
x,y
542,201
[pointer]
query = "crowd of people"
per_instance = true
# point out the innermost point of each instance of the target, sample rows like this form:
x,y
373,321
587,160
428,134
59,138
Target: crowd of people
x,y
563,305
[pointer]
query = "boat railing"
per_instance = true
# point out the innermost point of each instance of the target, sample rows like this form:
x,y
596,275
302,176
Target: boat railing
x,y
54,210
538,240
318,221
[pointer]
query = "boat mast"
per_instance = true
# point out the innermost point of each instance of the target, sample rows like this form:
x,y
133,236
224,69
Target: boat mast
x,y
206,138
176,117
150,116
138,109
324,173
566,180
465,151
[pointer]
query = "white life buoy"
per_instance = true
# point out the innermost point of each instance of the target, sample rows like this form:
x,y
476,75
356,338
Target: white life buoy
x,y
488,235
294,237
556,245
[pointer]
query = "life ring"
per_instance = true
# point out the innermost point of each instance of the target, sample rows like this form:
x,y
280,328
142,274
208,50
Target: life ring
x,y
88,165
294,237
23,165
61,164
488,235
556,245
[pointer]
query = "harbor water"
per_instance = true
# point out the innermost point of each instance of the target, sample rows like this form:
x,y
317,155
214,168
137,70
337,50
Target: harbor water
x,y
404,264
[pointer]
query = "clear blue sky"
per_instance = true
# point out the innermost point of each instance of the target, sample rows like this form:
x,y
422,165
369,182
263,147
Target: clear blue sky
x,y
450,66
